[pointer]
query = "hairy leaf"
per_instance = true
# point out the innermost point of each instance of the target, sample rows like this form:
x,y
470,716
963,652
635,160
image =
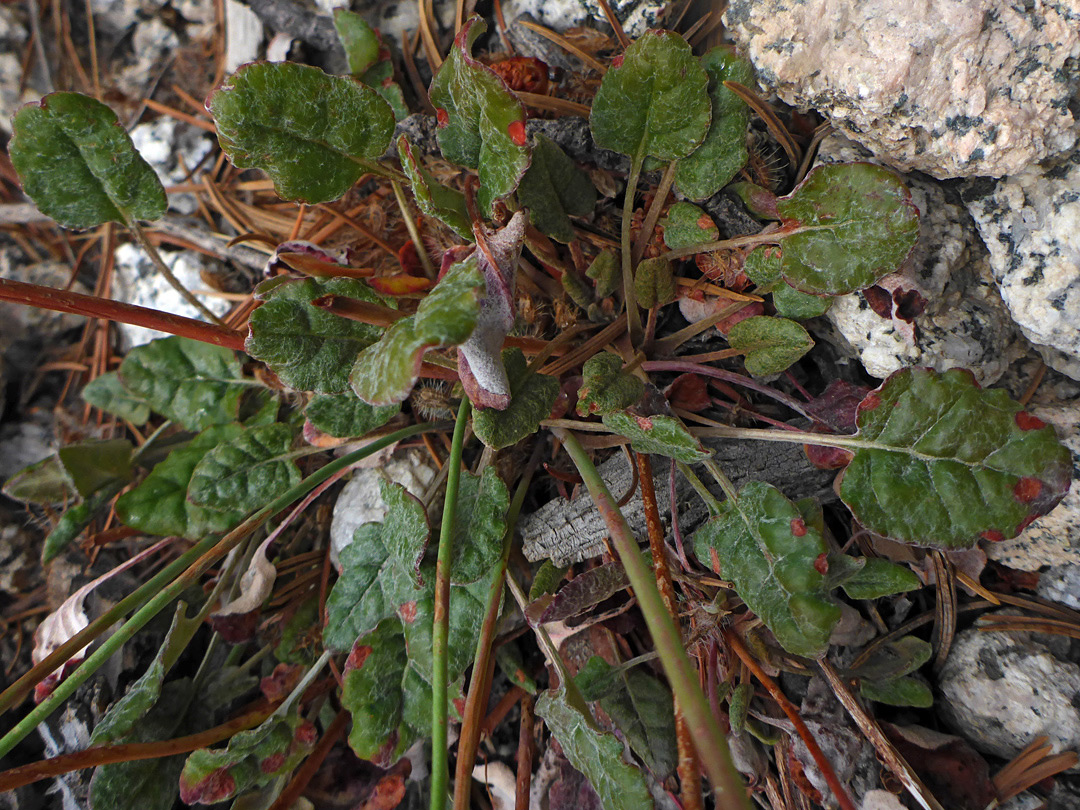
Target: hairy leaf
x,y
906,691
532,397
844,227
252,759
77,163
762,543
712,165
769,345
94,464
159,505
942,462
895,659
655,103
654,282
309,348
359,40
605,388
795,304
596,754
380,570
346,416
77,518
658,434
879,578
247,472
687,225
108,394
312,133
480,526
604,271
385,372
481,123
43,482
195,384
433,198
585,591
641,708
554,189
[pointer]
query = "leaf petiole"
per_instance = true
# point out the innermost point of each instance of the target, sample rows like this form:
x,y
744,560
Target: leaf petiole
x,y
633,317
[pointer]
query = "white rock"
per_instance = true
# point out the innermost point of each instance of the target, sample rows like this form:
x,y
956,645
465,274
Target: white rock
x,y
137,281
243,35
954,88
1031,225
1061,584
881,800
636,16
18,321
13,35
360,501
116,16
1053,539
151,45
173,148
964,322
1002,690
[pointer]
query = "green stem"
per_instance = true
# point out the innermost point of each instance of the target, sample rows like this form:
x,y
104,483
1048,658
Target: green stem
x,y
414,233
766,238
702,491
440,774
708,739
633,317
720,478
159,263
195,562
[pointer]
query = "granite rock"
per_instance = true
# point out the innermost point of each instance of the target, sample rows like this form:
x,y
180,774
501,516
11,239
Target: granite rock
x,y
1002,690
13,36
173,149
1053,539
953,88
636,16
137,281
1030,223
942,310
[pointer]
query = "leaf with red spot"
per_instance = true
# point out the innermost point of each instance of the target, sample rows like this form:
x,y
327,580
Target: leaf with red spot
x,y
605,387
766,547
369,58
941,462
481,123
686,225
252,759
662,435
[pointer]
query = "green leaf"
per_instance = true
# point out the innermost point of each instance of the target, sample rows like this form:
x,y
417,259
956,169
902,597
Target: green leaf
x,y
386,372
151,784
759,201
159,505
108,394
511,663
93,464
763,545
739,706
346,416
655,103
554,189
596,754
43,482
658,434
844,227
712,165
313,134
75,519
308,348
195,384
641,708
792,303
359,40
380,78
432,197
481,123
78,164
380,569
480,526
894,659
880,578
547,580
532,397
941,462
252,759
769,345
762,266
604,270
907,691
247,472
687,225
605,388
654,282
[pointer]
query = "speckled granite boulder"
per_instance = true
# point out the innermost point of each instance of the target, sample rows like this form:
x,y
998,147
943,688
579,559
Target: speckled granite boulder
x,y
1002,690
942,310
636,16
953,88
1053,539
1031,224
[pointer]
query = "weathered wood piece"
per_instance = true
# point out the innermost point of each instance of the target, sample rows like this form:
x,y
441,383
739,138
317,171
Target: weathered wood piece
x,y
569,532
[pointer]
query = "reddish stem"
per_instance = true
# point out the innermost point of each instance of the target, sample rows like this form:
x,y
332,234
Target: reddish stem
x,y
91,306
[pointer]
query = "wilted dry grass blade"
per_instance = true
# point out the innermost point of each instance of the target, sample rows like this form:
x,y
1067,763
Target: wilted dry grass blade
x,y
1030,767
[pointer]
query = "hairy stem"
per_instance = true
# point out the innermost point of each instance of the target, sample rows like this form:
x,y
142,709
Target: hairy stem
x,y
414,233
90,306
440,633
708,738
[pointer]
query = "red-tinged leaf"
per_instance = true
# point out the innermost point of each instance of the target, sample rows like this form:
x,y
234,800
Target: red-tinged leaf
x,y
399,285
525,73
837,404
689,392
583,592
941,462
605,387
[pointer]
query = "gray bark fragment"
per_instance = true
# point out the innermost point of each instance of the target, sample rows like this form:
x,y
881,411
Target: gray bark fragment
x,y
569,532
